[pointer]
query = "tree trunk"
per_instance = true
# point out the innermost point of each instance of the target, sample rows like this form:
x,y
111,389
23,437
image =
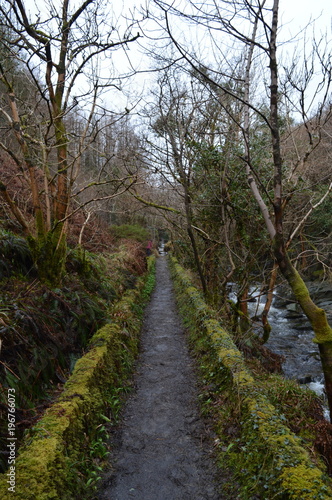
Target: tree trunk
x,y
196,257
49,254
316,315
268,303
244,322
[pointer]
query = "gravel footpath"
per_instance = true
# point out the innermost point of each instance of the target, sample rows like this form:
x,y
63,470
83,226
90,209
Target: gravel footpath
x,y
162,449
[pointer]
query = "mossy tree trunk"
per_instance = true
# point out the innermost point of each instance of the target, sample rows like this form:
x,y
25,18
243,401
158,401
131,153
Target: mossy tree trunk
x,y
46,240
49,254
316,315
65,50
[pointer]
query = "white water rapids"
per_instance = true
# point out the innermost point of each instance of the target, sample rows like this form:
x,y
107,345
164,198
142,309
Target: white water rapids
x,y
291,335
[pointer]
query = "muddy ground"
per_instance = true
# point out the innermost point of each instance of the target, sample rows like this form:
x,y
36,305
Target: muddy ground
x,y
163,449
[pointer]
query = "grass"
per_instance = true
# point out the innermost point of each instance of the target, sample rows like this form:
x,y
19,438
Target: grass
x,y
44,329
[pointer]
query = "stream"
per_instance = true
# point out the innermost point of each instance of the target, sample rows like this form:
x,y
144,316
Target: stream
x,y
291,334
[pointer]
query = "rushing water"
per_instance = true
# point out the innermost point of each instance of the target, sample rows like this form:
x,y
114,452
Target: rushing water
x,y
292,335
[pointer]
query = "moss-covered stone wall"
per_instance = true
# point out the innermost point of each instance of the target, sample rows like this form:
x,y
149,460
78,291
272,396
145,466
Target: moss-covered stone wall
x,y
46,465
268,460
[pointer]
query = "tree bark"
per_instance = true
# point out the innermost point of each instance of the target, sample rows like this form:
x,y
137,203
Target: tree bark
x,y
316,315
268,303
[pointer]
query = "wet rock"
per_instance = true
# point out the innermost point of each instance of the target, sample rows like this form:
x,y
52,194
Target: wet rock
x,y
325,304
294,307
321,290
305,380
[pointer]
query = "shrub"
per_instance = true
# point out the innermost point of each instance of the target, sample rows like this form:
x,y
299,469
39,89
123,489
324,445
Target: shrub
x,y
131,232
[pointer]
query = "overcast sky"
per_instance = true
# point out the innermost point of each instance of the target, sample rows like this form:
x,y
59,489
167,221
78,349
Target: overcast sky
x,y
297,13
294,16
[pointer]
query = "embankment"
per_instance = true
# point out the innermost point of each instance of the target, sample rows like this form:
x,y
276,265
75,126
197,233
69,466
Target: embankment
x,y
48,465
268,459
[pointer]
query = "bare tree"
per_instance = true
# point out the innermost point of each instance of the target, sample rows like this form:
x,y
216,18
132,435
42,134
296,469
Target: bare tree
x,y
253,27
65,48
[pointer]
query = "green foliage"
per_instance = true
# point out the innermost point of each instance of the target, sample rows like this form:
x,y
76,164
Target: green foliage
x,y
49,252
132,232
15,255
94,272
301,407
254,439
63,454
150,282
224,208
43,329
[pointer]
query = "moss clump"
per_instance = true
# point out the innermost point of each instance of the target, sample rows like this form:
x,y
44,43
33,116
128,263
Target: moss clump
x,y
303,483
264,454
47,464
277,460
38,472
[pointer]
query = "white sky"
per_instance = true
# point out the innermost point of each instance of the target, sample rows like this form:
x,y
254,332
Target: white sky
x,y
295,14
294,17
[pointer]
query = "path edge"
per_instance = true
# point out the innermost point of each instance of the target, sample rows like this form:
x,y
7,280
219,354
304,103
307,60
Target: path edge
x,y
46,466
292,474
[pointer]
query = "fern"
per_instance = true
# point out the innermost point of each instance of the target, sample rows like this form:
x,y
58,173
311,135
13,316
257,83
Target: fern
x,y
15,255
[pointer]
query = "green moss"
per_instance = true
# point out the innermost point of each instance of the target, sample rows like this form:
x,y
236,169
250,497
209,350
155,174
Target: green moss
x,y
49,252
316,315
303,482
47,464
265,455
36,471
243,378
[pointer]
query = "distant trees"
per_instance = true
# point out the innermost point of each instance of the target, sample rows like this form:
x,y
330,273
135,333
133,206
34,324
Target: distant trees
x,y
231,155
197,150
241,47
62,52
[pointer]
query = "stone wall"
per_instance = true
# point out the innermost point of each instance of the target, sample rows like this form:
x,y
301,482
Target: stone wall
x,y
46,466
271,459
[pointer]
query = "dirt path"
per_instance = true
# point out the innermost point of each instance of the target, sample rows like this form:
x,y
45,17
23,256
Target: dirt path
x,y
162,452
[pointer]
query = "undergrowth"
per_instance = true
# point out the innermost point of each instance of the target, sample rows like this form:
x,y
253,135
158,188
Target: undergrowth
x,y
272,439
44,330
130,231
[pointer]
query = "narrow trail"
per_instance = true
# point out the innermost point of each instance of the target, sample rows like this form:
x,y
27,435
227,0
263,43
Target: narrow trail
x,y
162,451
